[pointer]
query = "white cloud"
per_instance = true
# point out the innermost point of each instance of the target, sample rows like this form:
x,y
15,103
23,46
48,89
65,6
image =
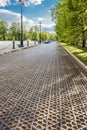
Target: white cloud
x,y
48,27
41,19
4,2
10,17
34,2
51,25
49,11
46,23
27,2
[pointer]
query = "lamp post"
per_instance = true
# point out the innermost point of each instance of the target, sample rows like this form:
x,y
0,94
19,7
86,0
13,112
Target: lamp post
x,y
40,32
45,33
21,3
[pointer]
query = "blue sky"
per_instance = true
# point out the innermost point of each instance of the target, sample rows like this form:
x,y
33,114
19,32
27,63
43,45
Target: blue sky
x,y
33,12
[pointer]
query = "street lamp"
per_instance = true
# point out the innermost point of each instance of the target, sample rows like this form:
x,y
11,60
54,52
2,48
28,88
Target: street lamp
x,y
40,32
45,33
21,3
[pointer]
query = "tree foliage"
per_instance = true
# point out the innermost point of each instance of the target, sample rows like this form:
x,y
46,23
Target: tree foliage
x,y
70,17
34,33
3,29
13,32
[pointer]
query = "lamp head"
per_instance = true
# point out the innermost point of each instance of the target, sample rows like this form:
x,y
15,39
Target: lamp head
x,y
21,1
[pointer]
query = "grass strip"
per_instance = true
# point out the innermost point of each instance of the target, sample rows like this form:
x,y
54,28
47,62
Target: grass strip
x,y
78,51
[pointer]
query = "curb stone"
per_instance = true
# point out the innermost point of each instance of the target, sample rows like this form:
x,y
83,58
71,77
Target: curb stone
x,y
14,50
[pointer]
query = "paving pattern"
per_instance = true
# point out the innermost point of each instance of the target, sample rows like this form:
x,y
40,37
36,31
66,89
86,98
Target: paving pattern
x,y
41,89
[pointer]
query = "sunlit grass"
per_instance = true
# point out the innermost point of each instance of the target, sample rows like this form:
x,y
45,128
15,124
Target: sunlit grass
x,y
78,51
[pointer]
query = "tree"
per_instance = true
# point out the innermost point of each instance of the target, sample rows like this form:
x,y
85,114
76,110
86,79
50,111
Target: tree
x,y
15,31
71,20
25,33
34,33
3,29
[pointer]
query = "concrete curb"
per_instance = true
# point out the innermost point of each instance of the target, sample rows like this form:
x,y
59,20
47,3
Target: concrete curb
x,y
76,60
14,50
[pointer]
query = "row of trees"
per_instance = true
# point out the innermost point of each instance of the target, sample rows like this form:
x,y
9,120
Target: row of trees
x,y
13,32
70,17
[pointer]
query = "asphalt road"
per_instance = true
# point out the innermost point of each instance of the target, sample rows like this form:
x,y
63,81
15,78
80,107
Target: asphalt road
x,y
41,89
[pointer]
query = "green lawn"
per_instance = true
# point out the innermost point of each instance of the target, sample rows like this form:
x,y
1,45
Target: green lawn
x,y
78,51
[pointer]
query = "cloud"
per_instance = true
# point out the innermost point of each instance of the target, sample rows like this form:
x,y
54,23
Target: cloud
x,y
4,2
49,11
46,23
51,25
35,2
27,2
41,19
48,27
10,17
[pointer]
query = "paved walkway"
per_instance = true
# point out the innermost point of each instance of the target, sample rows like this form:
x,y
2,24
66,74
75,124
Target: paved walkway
x,y
40,89
7,46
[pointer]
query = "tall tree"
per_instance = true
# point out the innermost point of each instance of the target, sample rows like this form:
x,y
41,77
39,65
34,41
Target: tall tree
x,y
70,17
3,29
15,31
34,33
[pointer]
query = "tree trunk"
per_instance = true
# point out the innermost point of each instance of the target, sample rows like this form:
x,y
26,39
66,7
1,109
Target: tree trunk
x,y
83,43
3,36
77,41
